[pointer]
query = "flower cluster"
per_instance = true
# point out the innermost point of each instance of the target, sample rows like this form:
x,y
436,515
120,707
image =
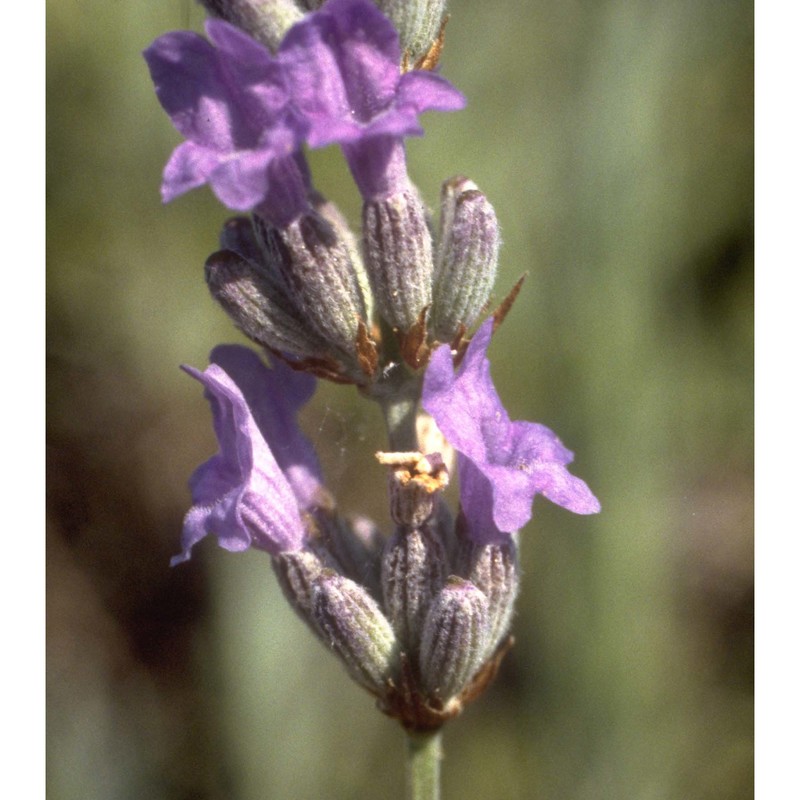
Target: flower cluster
x,y
420,617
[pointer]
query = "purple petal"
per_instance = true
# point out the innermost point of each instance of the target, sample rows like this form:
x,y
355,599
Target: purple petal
x,y
241,494
502,464
378,166
242,181
228,98
239,49
561,487
344,68
189,166
274,397
494,502
216,98
472,416
427,91
189,85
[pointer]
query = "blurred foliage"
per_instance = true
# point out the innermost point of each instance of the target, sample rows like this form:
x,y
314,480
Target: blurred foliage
x,y
616,141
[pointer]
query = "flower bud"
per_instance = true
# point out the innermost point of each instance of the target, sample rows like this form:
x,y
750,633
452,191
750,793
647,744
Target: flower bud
x,y
265,20
333,214
238,235
351,622
454,639
413,570
494,569
297,572
398,254
418,23
316,266
466,257
356,544
259,306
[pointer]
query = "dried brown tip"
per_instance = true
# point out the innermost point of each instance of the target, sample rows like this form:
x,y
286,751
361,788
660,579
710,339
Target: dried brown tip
x,y
413,345
325,368
431,59
366,351
504,307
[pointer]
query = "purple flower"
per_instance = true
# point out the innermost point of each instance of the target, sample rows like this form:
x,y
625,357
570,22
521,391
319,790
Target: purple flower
x,y
502,464
253,492
344,68
344,62
228,97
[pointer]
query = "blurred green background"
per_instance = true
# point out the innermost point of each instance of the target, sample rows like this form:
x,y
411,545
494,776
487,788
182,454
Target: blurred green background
x,y
615,140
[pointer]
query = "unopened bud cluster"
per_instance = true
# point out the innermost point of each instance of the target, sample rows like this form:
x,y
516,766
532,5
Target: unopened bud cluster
x,y
307,289
420,618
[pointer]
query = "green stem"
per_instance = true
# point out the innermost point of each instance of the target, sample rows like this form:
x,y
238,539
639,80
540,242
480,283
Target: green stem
x,y
401,423
398,398
424,752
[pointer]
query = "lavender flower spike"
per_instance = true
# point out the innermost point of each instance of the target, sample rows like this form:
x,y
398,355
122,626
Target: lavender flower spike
x,y
502,464
228,98
344,68
252,492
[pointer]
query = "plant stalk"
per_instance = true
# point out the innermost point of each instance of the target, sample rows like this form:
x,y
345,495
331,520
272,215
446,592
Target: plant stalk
x,y
424,755
399,397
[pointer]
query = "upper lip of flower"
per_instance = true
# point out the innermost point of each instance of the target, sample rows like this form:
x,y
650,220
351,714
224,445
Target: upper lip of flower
x,y
227,95
266,474
344,68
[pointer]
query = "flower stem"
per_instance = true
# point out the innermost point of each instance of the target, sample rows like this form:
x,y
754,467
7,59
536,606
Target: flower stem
x,y
424,751
401,416
398,396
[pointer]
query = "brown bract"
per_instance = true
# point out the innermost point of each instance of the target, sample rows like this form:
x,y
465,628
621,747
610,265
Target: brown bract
x,y
502,310
413,345
325,368
366,351
461,342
